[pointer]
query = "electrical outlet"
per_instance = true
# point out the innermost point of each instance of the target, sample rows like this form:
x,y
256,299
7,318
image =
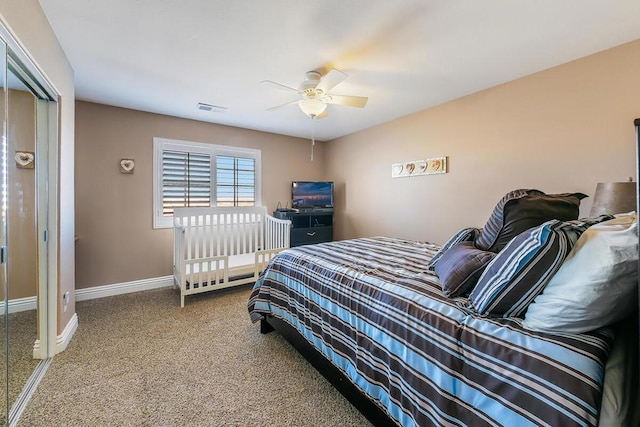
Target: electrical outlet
x,y
65,299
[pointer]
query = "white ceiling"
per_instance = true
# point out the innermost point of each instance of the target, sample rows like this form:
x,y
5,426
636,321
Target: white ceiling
x,y
166,56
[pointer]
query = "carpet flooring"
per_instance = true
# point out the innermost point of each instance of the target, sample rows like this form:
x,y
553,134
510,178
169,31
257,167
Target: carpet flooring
x,y
20,338
140,360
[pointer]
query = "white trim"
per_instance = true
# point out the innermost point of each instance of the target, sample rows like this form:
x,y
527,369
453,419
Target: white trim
x,y
17,305
49,301
38,350
22,53
46,132
63,340
30,303
123,288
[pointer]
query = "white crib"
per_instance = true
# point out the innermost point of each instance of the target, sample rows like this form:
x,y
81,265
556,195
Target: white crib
x,y
216,248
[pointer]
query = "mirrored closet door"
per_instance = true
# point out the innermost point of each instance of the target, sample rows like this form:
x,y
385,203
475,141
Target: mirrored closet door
x,y
25,109
22,239
4,290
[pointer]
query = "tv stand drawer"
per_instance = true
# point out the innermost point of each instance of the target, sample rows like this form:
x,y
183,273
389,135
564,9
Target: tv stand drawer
x,y
308,236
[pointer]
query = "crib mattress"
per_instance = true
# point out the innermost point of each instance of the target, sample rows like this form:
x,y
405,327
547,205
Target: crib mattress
x,y
235,262
239,266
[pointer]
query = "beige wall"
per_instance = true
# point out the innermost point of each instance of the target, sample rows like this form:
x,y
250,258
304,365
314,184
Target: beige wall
x,y
116,241
23,245
27,22
561,130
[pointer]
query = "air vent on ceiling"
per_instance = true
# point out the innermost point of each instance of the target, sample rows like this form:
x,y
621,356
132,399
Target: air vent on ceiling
x,y
212,108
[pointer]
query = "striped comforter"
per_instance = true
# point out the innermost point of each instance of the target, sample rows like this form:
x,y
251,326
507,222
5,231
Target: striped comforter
x,y
373,309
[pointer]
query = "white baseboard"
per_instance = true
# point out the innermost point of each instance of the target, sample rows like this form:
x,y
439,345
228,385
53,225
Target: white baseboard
x,y
38,351
22,304
30,303
123,288
62,340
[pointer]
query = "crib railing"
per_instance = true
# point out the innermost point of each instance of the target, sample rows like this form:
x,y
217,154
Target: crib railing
x,y
277,233
206,238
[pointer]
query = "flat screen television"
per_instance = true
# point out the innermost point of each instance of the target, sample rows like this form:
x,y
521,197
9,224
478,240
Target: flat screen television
x,y
312,195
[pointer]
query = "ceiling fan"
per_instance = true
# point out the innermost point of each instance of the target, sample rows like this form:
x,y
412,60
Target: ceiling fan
x,y
314,94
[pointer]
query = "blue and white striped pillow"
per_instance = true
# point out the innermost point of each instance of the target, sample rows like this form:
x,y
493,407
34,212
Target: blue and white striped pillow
x,y
522,269
464,235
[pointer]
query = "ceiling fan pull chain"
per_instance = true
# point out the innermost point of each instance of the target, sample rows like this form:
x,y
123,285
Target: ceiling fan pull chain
x,y
313,138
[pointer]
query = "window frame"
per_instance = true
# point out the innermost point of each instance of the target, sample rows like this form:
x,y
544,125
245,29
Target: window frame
x,y
214,150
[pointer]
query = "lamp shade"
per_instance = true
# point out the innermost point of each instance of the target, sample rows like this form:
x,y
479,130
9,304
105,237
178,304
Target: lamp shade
x,y
614,198
312,106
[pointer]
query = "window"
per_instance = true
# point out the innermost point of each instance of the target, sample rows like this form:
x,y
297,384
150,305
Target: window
x,y
194,174
235,181
186,180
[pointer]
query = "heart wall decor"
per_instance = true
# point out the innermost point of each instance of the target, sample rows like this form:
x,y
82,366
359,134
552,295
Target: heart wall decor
x,y
431,166
127,165
25,159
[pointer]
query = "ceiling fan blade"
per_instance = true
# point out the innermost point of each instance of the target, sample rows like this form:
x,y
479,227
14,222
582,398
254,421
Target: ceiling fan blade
x,y
331,79
349,101
277,107
280,85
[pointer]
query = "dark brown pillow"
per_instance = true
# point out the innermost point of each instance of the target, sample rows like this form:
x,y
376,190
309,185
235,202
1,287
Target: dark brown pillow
x,y
460,268
521,210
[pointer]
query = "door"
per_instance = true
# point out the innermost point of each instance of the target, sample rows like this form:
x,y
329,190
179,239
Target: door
x,y
28,209
22,263
24,216
4,291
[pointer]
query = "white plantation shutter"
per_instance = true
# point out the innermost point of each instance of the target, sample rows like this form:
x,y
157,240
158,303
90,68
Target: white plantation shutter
x,y
235,181
186,180
195,174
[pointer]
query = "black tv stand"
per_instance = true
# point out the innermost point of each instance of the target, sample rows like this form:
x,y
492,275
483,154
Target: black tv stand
x,y
308,226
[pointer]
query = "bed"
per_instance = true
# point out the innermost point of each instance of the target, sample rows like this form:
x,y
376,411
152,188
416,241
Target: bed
x,y
373,312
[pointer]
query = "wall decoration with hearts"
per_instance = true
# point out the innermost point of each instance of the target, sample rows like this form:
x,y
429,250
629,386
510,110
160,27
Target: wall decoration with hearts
x,y
419,167
25,159
127,165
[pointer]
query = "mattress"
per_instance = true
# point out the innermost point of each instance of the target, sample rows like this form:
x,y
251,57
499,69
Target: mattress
x,y
373,309
238,266
235,261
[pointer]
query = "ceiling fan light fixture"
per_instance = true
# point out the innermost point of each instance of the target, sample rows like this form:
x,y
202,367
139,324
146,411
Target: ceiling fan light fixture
x,y
312,107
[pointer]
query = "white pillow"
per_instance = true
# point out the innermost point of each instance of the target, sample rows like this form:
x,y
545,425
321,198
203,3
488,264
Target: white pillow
x,y
596,285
